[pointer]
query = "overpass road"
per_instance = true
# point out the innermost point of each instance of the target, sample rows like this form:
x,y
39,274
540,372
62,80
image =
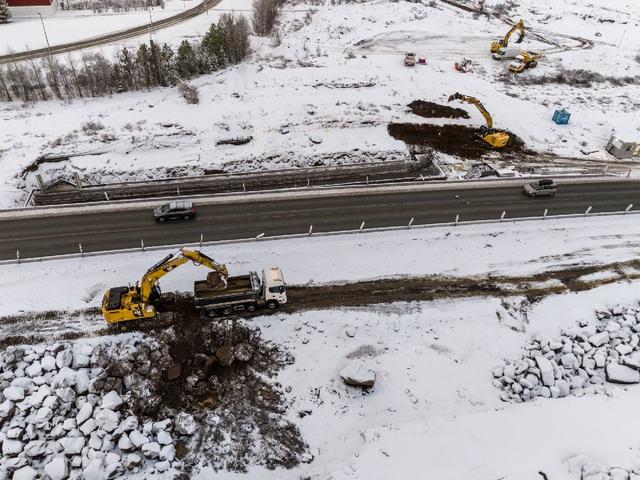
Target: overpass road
x,y
329,211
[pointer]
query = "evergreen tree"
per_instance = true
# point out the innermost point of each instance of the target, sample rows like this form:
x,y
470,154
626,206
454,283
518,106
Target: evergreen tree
x,y
155,60
167,65
5,14
118,79
127,69
186,61
142,64
212,45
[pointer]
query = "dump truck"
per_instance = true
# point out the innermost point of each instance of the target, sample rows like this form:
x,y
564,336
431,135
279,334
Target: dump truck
x,y
243,293
524,61
409,59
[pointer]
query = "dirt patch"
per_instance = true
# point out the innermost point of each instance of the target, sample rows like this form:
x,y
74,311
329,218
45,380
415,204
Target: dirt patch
x,y
459,140
221,373
433,110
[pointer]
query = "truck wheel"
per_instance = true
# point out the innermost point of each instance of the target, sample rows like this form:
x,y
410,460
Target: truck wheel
x,y
161,219
187,217
251,308
226,311
272,305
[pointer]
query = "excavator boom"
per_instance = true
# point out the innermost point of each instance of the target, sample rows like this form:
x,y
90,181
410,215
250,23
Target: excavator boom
x,y
122,304
495,139
504,42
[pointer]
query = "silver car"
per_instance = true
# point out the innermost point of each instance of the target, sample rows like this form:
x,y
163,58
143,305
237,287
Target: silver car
x,y
544,187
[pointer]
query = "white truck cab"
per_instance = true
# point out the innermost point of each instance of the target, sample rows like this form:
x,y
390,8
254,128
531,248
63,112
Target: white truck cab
x,y
274,287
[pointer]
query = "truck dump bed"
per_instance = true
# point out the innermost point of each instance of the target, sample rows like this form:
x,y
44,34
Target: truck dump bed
x,y
239,289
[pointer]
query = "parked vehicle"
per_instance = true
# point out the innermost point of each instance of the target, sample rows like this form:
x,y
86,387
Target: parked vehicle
x,y
544,187
244,292
410,59
182,209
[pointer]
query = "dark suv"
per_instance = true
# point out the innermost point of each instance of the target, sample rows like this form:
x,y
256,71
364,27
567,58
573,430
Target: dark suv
x,y
174,210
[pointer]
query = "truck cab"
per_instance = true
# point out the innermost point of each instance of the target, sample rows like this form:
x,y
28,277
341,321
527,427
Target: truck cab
x,y
275,289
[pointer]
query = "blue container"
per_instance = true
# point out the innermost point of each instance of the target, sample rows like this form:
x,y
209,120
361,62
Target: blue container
x,y
561,117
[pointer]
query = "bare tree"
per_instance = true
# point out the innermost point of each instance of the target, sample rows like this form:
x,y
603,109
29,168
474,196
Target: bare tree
x,y
265,16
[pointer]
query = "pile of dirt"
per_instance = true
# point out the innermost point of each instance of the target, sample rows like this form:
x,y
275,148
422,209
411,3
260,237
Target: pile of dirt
x,y
433,110
221,373
459,140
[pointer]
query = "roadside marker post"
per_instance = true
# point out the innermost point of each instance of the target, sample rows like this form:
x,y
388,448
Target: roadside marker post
x,y
80,248
310,229
504,212
142,244
544,215
259,236
457,218
362,225
587,211
201,239
18,255
410,222
629,207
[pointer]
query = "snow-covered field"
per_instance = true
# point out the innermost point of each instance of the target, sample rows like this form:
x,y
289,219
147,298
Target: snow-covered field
x,y
338,77
434,410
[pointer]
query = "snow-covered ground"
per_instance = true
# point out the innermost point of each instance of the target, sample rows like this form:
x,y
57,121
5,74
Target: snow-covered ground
x,y
434,410
339,71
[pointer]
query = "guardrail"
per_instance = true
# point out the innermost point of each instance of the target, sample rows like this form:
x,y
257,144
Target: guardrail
x,y
310,233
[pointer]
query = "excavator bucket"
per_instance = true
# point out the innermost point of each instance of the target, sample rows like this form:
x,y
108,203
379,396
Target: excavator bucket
x,y
496,139
216,281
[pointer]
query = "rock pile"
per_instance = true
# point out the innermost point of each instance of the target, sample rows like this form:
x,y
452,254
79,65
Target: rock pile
x,y
71,411
580,361
586,469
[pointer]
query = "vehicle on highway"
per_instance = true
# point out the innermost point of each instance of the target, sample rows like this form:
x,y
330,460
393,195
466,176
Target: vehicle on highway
x,y
539,188
175,210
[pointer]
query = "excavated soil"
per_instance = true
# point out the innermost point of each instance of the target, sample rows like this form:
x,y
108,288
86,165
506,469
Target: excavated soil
x,y
458,140
434,110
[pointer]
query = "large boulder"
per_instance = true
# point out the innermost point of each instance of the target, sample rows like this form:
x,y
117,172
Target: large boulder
x,y
225,355
72,445
112,401
11,447
151,450
617,373
107,420
25,473
94,470
138,439
356,374
184,424
15,394
57,468
546,371
64,358
84,413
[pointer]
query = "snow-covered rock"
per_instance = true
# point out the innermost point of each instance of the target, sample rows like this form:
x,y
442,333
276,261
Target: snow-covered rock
x,y
131,461
87,427
64,358
357,375
72,445
184,424
162,466
111,401
599,339
151,450
130,423
94,470
6,408
84,413
35,448
124,443
57,468
48,363
546,371
107,420
617,373
25,473
113,470
11,447
138,439
14,393
164,438
168,452
34,370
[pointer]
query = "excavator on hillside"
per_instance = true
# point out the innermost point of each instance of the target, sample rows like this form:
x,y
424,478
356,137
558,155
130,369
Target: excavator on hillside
x,y
498,47
143,300
494,138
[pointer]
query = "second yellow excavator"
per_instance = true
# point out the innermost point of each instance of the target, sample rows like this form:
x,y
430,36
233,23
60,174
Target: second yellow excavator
x,y
498,47
494,138
141,301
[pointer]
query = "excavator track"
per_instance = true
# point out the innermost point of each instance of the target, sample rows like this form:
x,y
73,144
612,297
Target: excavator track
x,y
162,320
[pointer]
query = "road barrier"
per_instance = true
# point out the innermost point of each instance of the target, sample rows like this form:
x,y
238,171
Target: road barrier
x,y
361,229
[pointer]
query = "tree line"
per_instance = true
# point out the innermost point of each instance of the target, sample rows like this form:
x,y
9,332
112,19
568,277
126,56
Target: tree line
x,y
151,65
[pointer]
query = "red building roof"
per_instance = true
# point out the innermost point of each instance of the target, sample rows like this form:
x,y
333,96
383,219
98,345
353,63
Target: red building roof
x,y
30,3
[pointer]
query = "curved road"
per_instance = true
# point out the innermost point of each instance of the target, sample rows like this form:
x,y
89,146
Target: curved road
x,y
327,211
111,37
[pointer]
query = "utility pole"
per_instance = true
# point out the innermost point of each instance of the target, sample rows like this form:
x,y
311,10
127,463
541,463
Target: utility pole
x,y
150,25
45,35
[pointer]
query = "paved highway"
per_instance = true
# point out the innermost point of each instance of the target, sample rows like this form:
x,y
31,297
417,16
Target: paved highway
x,y
49,235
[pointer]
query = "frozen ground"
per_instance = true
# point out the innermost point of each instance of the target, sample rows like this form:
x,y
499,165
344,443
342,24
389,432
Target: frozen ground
x,y
340,70
433,410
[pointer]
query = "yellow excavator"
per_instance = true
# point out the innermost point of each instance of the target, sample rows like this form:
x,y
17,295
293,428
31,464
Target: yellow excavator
x,y
494,138
498,47
121,305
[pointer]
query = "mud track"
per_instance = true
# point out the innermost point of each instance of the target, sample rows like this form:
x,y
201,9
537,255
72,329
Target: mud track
x,y
434,110
19,329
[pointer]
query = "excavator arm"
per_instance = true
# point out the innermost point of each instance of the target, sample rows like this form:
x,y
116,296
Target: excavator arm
x,y
477,103
169,263
493,138
503,43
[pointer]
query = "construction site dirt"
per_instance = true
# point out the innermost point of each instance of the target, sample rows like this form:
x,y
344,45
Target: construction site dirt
x,y
434,110
458,140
